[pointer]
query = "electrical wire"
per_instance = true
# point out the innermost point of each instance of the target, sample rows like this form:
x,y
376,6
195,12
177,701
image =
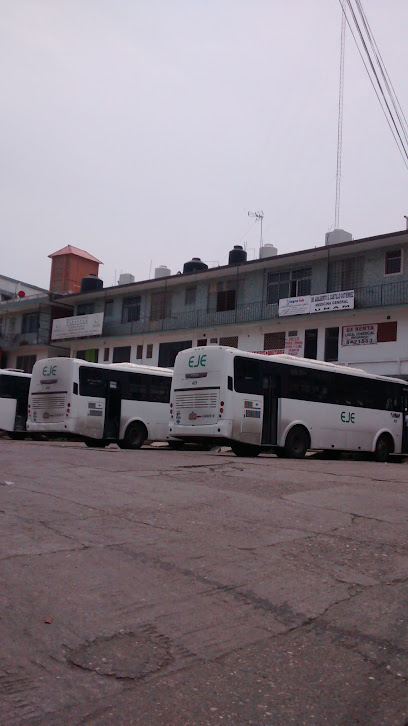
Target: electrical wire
x,y
399,134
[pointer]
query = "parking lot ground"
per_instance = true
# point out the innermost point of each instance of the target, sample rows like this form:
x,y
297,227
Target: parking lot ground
x,y
165,588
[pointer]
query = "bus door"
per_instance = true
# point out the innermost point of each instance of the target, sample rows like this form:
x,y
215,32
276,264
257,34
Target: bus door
x,y
21,392
404,447
270,409
112,410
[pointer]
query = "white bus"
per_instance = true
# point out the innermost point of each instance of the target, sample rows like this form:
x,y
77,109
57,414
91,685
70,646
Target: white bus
x,y
14,387
100,404
252,401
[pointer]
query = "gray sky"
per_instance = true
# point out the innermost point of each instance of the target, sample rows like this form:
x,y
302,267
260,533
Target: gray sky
x,y
144,131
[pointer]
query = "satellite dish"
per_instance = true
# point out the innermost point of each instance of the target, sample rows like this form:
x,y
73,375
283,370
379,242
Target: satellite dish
x,y
21,293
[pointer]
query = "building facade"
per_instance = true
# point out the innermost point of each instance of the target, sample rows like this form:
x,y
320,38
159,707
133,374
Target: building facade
x,y
345,302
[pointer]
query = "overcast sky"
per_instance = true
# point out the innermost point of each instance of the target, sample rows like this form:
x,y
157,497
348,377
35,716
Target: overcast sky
x,y
144,131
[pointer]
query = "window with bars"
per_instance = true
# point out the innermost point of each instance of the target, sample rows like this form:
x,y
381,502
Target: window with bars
x,y
346,274
289,283
226,300
30,322
26,362
387,332
274,341
149,350
231,341
131,309
139,352
393,262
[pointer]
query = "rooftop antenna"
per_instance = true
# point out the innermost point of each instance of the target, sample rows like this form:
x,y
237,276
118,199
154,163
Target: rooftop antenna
x,y
340,117
258,216
406,221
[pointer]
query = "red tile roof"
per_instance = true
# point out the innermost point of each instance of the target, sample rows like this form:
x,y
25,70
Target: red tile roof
x,y
70,250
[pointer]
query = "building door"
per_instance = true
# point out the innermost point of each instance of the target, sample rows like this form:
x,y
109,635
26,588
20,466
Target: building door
x,y
311,343
168,352
331,345
112,410
270,409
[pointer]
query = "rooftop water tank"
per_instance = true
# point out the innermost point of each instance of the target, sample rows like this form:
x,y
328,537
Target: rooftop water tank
x,y
195,265
91,283
125,278
162,271
237,255
337,236
267,250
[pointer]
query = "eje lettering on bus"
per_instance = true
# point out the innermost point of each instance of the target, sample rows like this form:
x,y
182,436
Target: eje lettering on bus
x,y
49,370
201,361
349,419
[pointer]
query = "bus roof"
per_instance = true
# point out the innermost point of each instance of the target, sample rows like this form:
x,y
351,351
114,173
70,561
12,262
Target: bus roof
x,y
14,372
111,366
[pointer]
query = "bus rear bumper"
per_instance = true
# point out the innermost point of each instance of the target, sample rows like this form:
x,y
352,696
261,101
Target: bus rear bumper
x,y
220,430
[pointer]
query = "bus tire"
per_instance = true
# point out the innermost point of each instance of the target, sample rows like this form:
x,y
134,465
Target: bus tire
x,y
95,443
383,448
245,449
297,443
135,436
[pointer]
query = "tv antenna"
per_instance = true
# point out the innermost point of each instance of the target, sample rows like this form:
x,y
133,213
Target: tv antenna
x,y
258,216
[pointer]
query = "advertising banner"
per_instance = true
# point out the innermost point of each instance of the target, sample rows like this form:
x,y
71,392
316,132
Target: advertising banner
x,y
79,326
294,305
342,300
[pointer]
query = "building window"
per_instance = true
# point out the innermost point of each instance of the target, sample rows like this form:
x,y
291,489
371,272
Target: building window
x,y
169,351
149,350
291,283
201,342
387,332
106,354
131,309
231,342
139,352
274,341
160,306
26,362
346,274
121,354
225,300
85,308
190,297
30,323
331,345
91,355
108,308
393,262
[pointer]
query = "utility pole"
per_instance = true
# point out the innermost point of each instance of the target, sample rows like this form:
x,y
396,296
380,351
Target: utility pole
x,y
340,117
258,216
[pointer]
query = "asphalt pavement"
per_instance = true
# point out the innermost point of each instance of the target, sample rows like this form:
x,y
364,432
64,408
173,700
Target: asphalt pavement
x,y
191,588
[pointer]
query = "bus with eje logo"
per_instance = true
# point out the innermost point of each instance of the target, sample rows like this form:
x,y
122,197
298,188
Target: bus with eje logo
x,y
253,402
14,387
122,403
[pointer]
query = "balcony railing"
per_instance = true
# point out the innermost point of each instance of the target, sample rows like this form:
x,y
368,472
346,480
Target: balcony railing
x,y
14,340
392,293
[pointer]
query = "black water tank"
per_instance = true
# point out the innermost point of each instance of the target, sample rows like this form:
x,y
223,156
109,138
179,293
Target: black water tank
x,y
91,283
237,255
195,265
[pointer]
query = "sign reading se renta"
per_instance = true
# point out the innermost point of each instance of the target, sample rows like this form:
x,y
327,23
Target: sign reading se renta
x,y
359,334
79,326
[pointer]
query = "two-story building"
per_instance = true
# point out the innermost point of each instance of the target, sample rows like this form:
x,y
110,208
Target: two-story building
x,y
344,301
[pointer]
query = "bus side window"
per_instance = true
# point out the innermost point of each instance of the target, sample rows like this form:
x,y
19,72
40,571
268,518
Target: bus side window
x,y
230,386
75,388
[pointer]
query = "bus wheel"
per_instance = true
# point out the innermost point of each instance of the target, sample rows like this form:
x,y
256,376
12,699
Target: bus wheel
x,y
245,449
297,443
95,443
383,448
135,437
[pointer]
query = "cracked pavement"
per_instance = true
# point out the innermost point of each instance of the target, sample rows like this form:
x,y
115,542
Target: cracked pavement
x,y
190,588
